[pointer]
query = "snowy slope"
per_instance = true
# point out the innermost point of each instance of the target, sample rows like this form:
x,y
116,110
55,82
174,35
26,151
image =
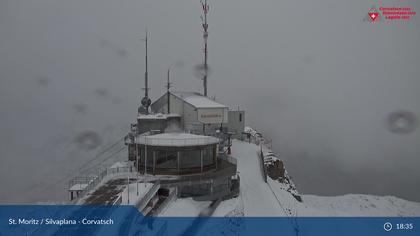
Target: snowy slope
x,y
274,198
185,207
257,197
361,205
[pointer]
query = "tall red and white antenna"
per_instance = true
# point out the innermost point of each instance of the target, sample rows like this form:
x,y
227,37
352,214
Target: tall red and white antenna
x,y
205,26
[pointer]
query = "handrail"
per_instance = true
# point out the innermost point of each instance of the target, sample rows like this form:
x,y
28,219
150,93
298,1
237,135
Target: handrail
x,y
263,166
141,204
93,181
171,197
118,201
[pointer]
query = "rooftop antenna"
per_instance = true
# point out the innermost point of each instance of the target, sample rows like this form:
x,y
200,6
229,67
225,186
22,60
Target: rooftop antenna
x,y
205,26
145,101
168,86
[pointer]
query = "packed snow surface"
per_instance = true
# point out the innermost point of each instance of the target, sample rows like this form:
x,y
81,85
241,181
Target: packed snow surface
x,y
186,206
256,194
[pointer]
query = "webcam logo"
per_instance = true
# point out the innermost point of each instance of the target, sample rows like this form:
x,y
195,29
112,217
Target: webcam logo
x,y
373,15
384,13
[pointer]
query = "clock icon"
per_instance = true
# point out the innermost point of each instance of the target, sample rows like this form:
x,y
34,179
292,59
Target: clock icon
x,y
387,226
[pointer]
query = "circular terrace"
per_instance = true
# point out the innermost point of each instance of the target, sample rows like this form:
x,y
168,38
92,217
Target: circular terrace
x,y
176,153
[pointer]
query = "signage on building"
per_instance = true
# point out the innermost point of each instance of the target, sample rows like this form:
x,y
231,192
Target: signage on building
x,y
212,115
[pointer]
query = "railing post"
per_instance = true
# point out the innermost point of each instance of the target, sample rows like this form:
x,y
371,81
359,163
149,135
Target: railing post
x,y
154,161
178,157
201,157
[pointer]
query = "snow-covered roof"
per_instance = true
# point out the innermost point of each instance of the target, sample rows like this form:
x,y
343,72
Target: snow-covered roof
x,y
176,139
156,116
120,164
78,187
197,100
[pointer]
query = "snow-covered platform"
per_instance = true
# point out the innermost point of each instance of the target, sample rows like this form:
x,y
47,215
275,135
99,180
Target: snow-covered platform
x,y
107,193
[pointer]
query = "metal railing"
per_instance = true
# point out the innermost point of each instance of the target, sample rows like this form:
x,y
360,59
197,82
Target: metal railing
x,y
171,198
81,180
118,201
118,170
92,181
263,166
141,204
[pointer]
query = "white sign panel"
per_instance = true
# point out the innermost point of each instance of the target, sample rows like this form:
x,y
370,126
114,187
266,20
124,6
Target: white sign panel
x,y
212,115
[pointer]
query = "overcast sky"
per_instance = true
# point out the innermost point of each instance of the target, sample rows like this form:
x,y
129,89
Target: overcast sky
x,y
311,75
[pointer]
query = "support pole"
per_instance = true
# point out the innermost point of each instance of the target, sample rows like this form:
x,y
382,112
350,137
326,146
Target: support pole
x,y
215,150
168,86
154,162
128,189
137,171
137,162
145,155
201,157
178,157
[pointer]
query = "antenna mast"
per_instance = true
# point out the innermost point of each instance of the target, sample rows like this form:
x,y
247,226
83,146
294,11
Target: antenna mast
x,y
146,85
145,101
205,26
168,86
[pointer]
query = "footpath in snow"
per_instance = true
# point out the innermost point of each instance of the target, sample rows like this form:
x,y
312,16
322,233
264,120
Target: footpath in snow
x,y
257,197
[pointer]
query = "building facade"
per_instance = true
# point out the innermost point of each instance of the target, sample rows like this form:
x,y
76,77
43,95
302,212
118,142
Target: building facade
x,y
199,114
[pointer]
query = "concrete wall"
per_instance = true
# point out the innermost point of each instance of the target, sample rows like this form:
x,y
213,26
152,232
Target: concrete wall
x,y
176,107
161,105
236,122
191,122
171,124
144,125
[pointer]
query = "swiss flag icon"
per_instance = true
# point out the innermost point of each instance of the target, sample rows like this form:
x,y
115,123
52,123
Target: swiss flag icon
x,y
373,15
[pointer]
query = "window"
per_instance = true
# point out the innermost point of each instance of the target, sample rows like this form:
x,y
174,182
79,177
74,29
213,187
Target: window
x,y
190,158
208,156
149,160
240,117
166,159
